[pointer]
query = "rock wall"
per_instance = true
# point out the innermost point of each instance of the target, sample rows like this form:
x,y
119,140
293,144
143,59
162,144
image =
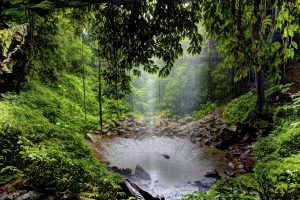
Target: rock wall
x,y
11,59
11,41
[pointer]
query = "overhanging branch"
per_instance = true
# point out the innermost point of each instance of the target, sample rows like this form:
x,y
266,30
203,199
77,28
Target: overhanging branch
x,y
48,4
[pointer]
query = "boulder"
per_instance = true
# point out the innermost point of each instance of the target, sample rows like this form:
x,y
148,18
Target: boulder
x,y
104,130
122,132
218,113
203,130
140,172
213,174
247,161
166,156
231,166
207,141
112,133
228,136
130,118
229,173
31,195
130,124
208,126
125,172
113,168
91,137
193,134
203,186
231,127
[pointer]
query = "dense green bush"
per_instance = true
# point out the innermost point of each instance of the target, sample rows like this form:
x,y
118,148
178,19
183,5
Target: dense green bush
x,y
204,110
244,108
42,142
277,168
241,109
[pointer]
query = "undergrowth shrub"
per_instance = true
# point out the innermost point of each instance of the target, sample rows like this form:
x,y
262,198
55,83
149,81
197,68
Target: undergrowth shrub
x,y
241,109
42,141
244,108
204,110
277,169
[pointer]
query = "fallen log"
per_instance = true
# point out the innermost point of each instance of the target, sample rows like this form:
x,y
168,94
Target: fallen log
x,y
138,192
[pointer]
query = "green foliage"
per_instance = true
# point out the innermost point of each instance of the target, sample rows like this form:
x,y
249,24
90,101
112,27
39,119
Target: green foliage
x,y
237,189
221,91
158,28
241,109
42,140
291,111
165,113
277,168
204,110
245,31
9,173
5,40
58,47
56,166
277,155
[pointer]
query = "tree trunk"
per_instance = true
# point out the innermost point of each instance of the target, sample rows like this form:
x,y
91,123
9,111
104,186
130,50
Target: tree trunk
x,y
131,103
83,84
260,91
233,84
159,94
100,90
209,89
259,73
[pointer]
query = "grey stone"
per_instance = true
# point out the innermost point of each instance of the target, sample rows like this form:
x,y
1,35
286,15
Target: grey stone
x,y
31,195
166,156
140,172
230,127
231,165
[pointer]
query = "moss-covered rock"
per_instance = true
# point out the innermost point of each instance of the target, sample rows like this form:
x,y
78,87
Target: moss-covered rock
x,y
10,41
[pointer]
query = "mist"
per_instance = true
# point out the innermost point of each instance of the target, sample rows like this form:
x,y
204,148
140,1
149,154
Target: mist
x,y
179,93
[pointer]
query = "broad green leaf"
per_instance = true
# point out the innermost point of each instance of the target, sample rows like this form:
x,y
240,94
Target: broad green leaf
x,y
294,44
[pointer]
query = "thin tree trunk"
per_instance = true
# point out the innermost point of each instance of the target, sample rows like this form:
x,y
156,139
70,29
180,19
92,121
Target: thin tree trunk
x,y
131,103
259,74
209,83
159,94
100,91
260,91
83,83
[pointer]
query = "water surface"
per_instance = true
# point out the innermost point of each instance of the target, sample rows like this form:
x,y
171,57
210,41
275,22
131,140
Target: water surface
x,y
171,177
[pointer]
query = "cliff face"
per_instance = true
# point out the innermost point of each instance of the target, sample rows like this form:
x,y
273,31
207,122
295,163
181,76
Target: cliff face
x,y
10,42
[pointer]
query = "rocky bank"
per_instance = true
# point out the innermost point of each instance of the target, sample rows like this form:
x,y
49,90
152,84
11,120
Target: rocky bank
x,y
234,139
